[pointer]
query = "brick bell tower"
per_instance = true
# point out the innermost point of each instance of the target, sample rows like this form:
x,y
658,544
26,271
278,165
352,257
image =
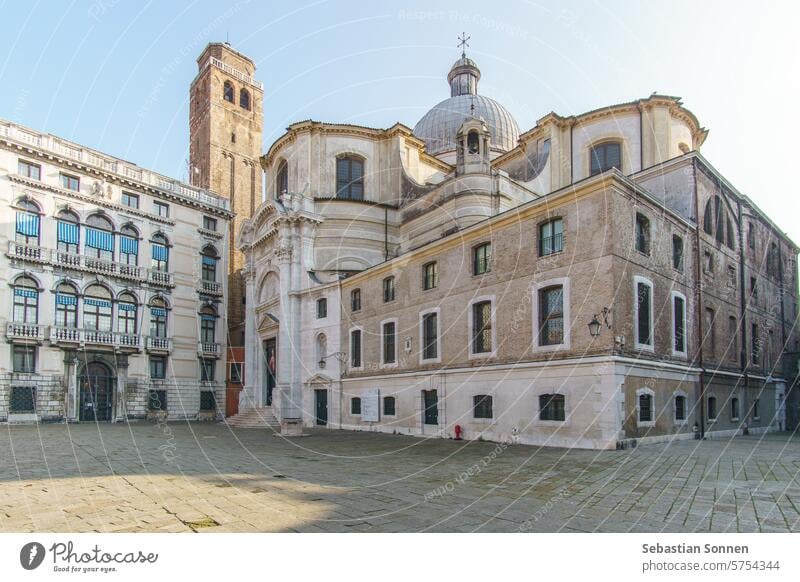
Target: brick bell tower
x,y
225,129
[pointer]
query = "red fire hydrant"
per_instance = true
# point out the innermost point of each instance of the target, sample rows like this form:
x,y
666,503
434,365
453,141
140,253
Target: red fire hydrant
x,y
458,430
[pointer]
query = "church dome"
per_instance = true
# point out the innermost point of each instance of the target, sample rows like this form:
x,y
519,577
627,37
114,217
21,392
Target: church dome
x,y
439,126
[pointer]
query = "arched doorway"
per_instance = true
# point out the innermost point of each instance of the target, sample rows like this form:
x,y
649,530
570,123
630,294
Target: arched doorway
x,y
96,383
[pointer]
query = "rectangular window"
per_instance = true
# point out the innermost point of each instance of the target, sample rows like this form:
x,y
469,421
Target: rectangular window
x,y
680,407
756,414
734,409
755,343
157,400
645,408
711,335
355,405
389,406
355,348
605,156
389,343
481,259
430,340
207,370
551,316
161,209
551,237
642,234
551,407
350,178
208,402
429,276
644,302
322,308
712,407
677,253
679,324
355,300
235,374
209,223
708,264
29,170
130,200
754,289
25,359
733,336
482,406
70,182
751,235
23,399
158,367
482,327
388,289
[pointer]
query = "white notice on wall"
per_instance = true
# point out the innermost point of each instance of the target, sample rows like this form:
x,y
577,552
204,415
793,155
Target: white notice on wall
x,y
370,405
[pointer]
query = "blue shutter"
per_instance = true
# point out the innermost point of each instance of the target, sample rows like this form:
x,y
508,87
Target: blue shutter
x,y
158,312
127,307
62,299
99,239
209,261
98,302
128,245
207,317
22,292
67,232
159,253
27,224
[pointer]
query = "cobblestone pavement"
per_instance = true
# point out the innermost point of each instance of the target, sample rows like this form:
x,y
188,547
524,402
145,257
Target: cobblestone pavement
x,y
206,477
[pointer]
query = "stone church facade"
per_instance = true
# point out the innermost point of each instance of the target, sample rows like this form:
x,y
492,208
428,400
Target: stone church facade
x,y
590,282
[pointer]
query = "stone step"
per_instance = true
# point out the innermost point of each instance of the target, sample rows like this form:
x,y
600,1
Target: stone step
x,y
254,418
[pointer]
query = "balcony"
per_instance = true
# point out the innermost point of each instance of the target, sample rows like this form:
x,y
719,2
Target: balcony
x,y
209,349
92,337
159,344
65,260
209,287
25,332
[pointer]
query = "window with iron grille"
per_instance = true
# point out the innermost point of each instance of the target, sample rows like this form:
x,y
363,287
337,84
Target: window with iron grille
x,y
355,300
29,170
158,367
481,259
680,407
605,156
22,399
389,343
551,316
388,289
482,327
429,276
322,308
350,178
207,401
645,407
157,400
642,234
551,237
355,348
551,407
389,406
355,406
677,252
24,359
430,339
482,406
207,369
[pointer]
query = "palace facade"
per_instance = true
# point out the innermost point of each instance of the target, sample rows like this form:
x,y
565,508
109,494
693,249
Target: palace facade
x,y
590,282
114,302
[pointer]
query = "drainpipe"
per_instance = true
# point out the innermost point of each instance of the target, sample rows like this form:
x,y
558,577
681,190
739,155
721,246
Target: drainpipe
x,y
641,139
571,164
699,301
385,239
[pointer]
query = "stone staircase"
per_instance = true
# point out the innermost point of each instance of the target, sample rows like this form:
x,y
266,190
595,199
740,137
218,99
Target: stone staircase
x,y
262,417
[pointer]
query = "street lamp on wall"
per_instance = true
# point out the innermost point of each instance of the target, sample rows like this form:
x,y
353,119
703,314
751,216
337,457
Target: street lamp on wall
x,y
595,324
338,355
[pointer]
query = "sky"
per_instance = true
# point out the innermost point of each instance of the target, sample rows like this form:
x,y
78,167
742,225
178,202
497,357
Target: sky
x,y
114,75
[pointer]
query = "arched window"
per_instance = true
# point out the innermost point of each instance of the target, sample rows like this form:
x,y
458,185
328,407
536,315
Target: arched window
x,y
605,156
67,231
321,349
26,300
227,91
27,222
473,142
158,318
127,314
97,308
160,246
350,178
129,245
66,306
208,325
99,237
244,99
209,263
282,179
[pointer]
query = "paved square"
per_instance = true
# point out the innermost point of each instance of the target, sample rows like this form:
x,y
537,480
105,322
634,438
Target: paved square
x,y
207,477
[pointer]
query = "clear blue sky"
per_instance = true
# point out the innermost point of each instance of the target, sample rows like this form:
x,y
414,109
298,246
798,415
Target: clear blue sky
x,y
114,74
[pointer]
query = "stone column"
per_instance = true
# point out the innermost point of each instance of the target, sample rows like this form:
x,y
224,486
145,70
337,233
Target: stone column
x,y
249,396
122,380
71,403
285,339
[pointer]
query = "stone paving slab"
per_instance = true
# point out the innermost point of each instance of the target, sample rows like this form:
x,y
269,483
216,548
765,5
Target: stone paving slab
x,y
211,478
